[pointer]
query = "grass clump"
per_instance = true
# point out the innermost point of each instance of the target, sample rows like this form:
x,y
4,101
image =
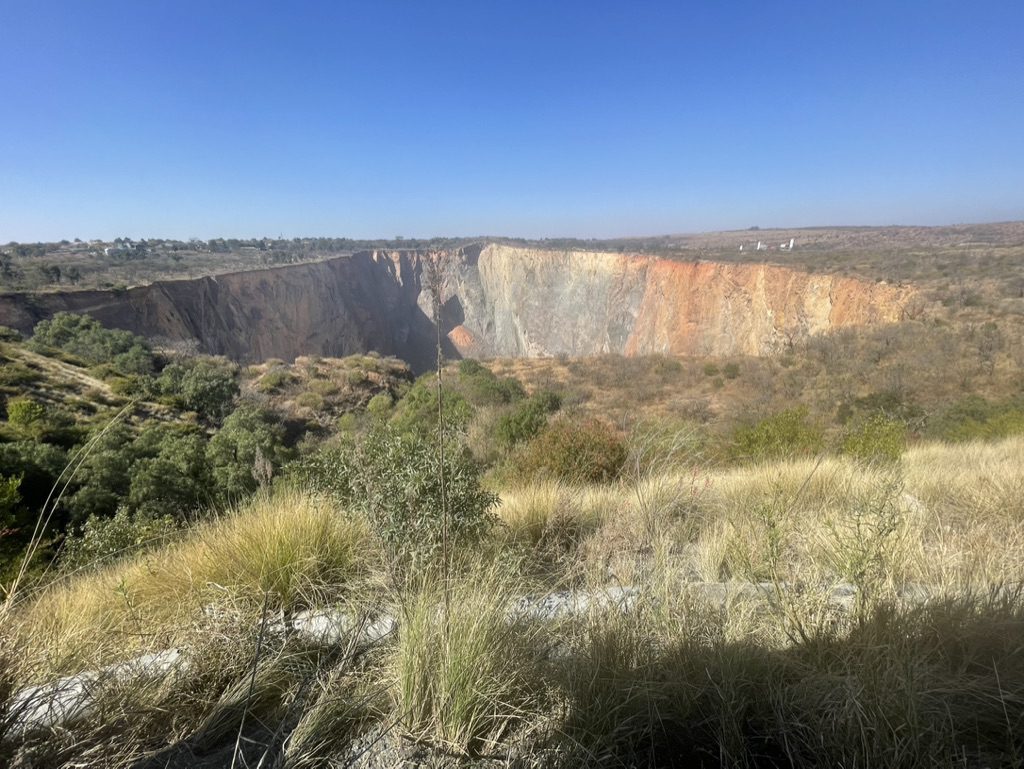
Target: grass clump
x,y
295,548
465,672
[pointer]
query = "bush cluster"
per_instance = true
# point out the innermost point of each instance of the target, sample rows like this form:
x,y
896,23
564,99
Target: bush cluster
x,y
875,439
974,418
104,539
410,495
87,339
787,433
585,451
526,419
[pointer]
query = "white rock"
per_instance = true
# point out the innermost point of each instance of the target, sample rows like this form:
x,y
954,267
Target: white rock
x,y
73,697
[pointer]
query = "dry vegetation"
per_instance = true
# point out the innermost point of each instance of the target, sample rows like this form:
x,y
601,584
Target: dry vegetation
x,y
809,560
794,613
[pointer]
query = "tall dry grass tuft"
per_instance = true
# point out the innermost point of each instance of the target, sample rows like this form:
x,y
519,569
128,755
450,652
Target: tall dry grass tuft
x,y
546,512
343,698
296,548
469,682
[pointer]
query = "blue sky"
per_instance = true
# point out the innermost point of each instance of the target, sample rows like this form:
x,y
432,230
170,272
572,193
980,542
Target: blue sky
x,y
173,118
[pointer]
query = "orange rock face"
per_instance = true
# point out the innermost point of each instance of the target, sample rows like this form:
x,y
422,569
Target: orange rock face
x,y
463,339
707,308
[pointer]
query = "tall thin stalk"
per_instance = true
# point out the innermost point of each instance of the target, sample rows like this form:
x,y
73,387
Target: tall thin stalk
x,y
435,281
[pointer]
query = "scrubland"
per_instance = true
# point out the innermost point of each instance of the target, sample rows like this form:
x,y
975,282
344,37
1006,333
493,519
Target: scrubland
x,y
814,611
807,560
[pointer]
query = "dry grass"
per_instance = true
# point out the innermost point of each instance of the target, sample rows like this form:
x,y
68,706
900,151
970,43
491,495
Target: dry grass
x,y
293,547
464,674
925,669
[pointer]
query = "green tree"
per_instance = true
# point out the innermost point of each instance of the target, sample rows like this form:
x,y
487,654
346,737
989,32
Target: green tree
x,y
38,464
249,438
204,385
105,474
9,500
27,415
170,475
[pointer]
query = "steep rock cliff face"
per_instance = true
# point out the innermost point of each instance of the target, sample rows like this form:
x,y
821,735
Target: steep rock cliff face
x,y
519,302
498,300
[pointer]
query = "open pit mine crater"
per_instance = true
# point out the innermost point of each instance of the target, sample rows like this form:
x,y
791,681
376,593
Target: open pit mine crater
x,y
496,301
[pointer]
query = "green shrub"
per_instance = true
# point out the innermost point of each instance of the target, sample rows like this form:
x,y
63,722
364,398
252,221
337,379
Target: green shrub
x,y
380,405
104,539
347,423
417,411
710,369
893,404
588,451
665,367
876,439
275,379
398,480
394,478
126,386
731,370
469,367
526,419
788,433
975,418
481,387
26,414
324,387
310,400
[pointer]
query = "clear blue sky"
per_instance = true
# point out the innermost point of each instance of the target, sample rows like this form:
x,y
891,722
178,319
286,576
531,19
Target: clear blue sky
x,y
175,118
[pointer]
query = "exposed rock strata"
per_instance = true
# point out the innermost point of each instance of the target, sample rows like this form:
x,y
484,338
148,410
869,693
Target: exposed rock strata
x,y
500,301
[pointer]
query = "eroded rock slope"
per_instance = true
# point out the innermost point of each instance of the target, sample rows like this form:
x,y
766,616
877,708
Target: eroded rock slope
x,y
498,301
